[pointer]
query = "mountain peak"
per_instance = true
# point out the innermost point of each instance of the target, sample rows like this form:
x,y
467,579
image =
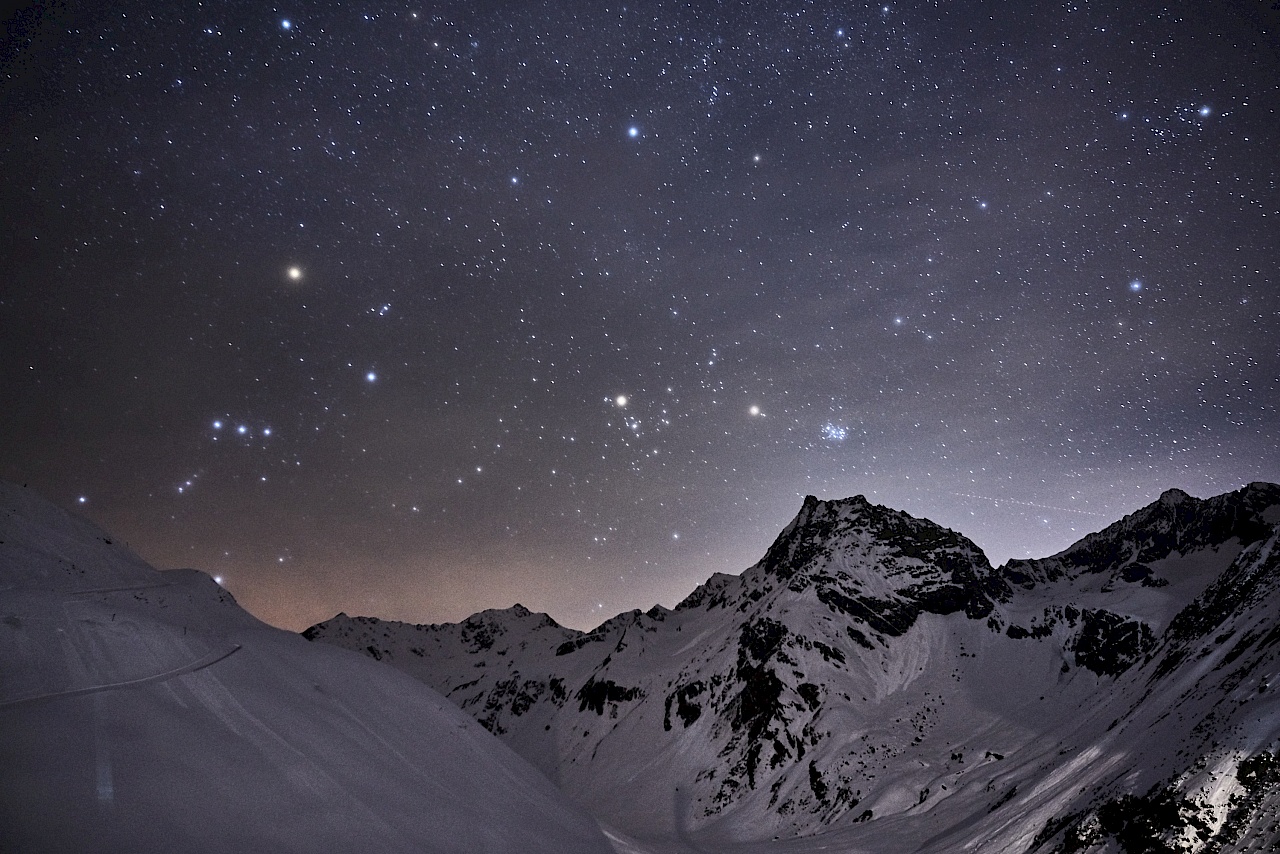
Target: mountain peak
x,y
840,529
877,566
1262,491
1174,524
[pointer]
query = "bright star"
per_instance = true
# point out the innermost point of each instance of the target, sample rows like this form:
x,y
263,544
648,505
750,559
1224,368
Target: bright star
x,y
295,273
1135,285
1204,112
286,24
620,400
633,131
754,410
217,425
371,377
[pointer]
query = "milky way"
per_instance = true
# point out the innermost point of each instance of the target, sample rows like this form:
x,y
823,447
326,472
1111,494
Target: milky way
x,y
417,310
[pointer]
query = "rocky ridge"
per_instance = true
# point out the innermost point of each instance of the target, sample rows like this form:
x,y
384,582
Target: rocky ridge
x,y
873,677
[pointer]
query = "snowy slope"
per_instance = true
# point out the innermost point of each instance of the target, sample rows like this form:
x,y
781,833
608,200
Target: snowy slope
x,y
145,711
874,684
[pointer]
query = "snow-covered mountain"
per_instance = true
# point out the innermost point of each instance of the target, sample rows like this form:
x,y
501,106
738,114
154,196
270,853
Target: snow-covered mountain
x,y
145,711
874,684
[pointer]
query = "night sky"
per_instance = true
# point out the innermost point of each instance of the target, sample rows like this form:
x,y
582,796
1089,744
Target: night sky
x,y
414,310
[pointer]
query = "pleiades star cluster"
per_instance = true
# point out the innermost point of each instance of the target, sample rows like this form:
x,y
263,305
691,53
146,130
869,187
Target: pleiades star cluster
x,y
414,310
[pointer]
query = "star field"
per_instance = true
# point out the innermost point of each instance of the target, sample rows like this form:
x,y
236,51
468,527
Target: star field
x,y
417,310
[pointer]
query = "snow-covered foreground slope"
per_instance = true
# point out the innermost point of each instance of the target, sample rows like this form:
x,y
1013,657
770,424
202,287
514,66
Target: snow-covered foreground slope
x,y
874,684
145,711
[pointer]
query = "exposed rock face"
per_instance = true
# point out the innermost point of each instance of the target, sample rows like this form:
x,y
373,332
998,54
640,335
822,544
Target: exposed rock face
x,y
873,677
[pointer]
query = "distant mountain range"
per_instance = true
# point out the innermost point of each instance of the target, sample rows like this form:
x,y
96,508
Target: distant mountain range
x,y
874,684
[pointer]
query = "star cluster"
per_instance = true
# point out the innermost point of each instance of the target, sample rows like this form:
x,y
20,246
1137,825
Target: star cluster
x,y
417,310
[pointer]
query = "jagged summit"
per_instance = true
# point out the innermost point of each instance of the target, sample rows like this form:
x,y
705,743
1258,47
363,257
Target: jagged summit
x,y
875,565
855,527
1176,524
1174,496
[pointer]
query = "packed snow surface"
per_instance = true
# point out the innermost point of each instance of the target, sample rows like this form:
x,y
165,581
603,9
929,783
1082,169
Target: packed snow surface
x,y
145,711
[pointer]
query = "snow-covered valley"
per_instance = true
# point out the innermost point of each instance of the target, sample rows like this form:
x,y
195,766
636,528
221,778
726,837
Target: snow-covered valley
x,y
871,684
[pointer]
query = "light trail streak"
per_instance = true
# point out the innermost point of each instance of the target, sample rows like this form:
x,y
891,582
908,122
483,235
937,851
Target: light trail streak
x,y
1028,504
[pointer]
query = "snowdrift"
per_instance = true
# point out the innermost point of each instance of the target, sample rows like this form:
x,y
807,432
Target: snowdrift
x,y
145,711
